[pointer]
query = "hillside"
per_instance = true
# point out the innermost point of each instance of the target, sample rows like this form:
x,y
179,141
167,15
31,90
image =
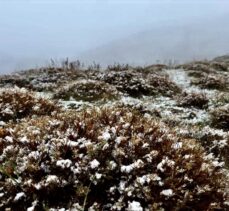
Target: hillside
x,y
122,138
179,41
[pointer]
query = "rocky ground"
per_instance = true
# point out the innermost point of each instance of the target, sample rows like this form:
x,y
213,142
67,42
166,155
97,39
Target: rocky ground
x,y
124,138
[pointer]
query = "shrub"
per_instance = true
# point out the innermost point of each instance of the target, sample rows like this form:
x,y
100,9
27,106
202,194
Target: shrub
x,y
52,79
196,74
105,159
212,82
221,99
137,84
219,66
198,100
220,117
216,142
19,103
163,85
198,66
89,90
14,80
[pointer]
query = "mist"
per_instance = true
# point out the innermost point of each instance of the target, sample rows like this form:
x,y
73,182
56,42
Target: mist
x,y
136,32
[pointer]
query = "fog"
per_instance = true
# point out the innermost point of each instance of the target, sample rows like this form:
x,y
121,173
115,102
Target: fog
x,y
105,31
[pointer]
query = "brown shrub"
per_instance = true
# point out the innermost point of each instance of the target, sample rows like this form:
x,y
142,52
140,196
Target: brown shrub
x,y
198,66
19,103
109,159
88,90
198,100
212,82
219,66
220,117
137,84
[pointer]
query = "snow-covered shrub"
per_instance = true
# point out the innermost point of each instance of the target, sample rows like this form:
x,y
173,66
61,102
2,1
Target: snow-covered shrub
x,y
18,103
14,80
163,85
113,159
202,66
212,81
221,99
196,74
198,100
53,78
136,84
215,141
89,90
220,117
219,66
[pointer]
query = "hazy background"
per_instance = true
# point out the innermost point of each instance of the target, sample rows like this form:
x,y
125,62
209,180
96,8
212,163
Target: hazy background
x,y
106,31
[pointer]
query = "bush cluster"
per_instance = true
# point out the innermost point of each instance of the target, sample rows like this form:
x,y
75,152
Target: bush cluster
x,y
19,103
112,159
87,90
212,82
198,100
220,117
137,84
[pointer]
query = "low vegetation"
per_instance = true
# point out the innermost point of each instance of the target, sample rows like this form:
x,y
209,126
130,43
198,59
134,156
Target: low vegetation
x,y
125,138
198,100
220,117
19,103
87,91
105,159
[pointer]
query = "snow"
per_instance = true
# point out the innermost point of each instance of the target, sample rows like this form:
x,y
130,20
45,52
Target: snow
x,y
32,208
19,196
9,139
38,186
127,169
160,165
2,123
34,154
7,111
177,145
64,163
167,192
98,176
134,206
217,164
142,180
106,136
113,165
24,140
52,179
94,164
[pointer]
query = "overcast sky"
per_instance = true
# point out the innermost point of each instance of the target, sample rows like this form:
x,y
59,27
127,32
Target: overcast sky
x,y
33,31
